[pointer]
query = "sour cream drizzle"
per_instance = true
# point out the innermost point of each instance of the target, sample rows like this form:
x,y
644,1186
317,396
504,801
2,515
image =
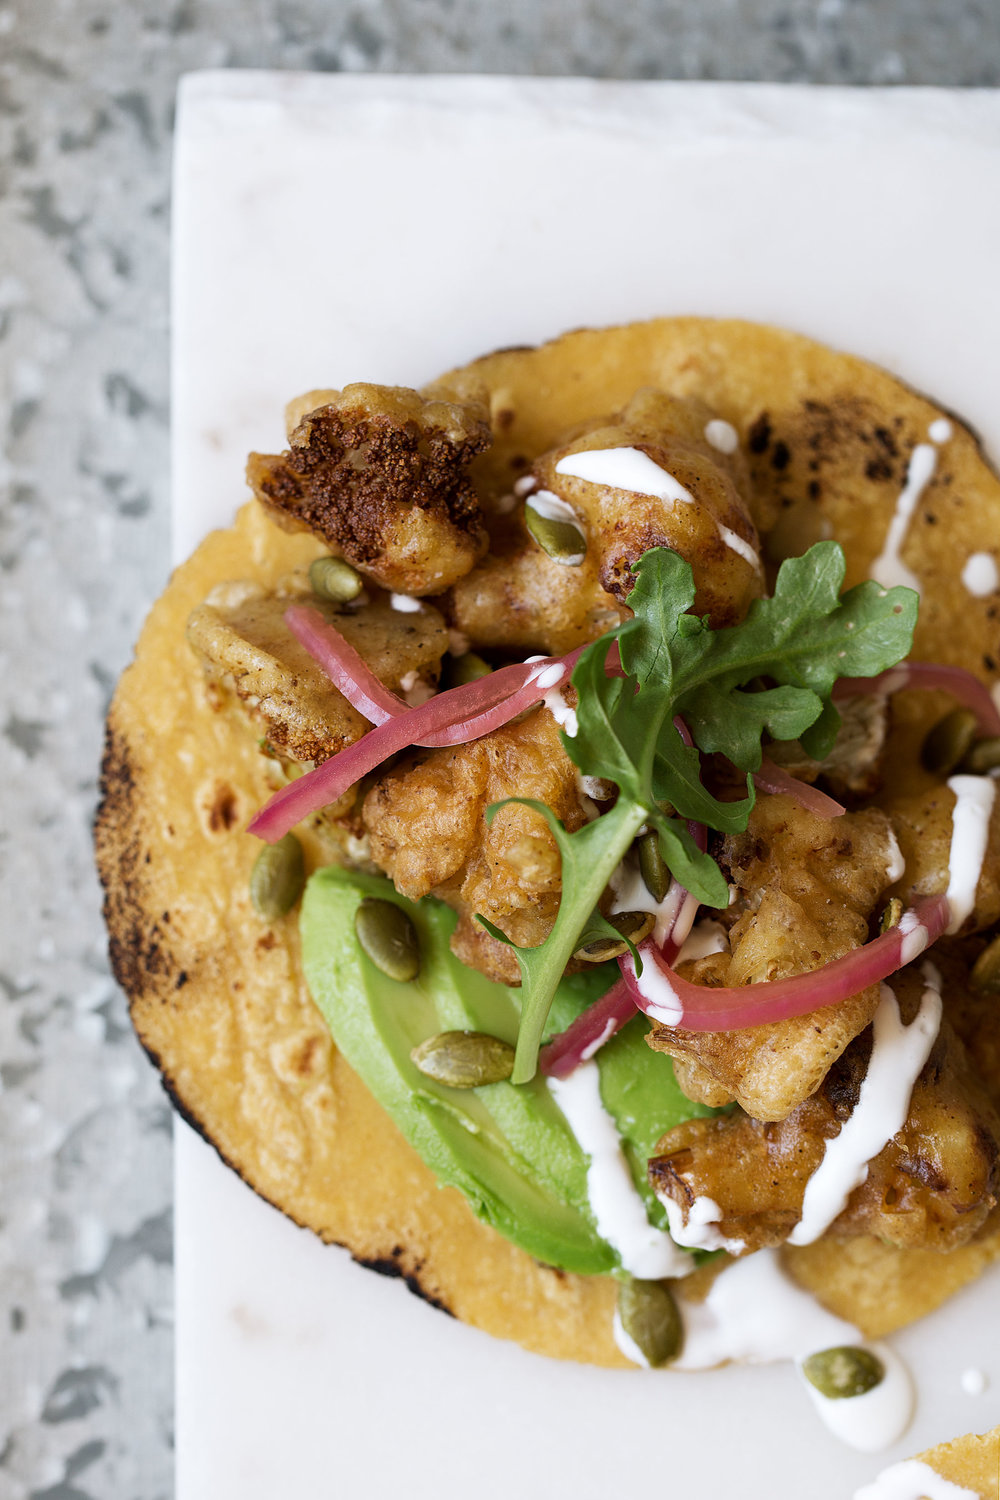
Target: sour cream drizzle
x,y
620,1212
722,435
755,1314
701,1231
888,569
913,1480
970,830
898,1055
631,469
980,574
632,894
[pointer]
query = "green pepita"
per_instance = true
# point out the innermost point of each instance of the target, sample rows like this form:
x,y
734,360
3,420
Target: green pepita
x,y
277,878
650,1317
388,937
561,540
467,668
983,757
652,868
332,578
949,742
634,925
892,915
464,1059
845,1371
985,974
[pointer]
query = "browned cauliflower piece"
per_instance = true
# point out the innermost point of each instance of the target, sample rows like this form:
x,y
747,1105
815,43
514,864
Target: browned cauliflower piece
x,y
427,824
245,645
807,888
521,597
379,473
853,766
932,1185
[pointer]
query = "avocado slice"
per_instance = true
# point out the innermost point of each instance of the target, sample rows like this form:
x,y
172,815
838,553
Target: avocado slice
x,y
508,1149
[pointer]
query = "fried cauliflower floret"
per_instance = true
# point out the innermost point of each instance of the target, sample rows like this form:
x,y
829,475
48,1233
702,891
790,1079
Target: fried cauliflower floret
x,y
245,646
519,596
923,821
427,823
380,475
853,766
932,1185
806,890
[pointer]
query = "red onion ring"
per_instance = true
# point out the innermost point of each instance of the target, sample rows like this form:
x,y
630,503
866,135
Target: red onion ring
x,y
777,781
702,1008
451,718
346,669
961,684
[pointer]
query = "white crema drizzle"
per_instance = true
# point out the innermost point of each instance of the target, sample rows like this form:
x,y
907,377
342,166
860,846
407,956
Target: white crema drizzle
x,y
970,831
980,575
913,1480
755,1314
631,469
619,1210
701,1229
898,1055
631,893
888,569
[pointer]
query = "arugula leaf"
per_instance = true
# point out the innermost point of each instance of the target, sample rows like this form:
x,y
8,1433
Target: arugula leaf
x,y
799,641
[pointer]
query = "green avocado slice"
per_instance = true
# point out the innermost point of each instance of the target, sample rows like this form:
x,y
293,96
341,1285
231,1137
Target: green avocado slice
x,y
508,1149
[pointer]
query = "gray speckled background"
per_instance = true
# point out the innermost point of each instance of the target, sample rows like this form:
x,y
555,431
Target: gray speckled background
x,y
86,105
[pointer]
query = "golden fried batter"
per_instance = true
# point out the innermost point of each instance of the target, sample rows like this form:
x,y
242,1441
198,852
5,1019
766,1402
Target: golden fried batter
x,y
428,829
379,473
244,645
807,887
520,597
932,1186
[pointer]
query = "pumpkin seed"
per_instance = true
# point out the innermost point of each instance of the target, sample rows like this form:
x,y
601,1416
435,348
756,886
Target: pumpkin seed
x,y
949,741
332,578
652,868
892,916
844,1371
986,969
468,668
649,1315
634,925
388,937
464,1059
277,878
563,541
983,757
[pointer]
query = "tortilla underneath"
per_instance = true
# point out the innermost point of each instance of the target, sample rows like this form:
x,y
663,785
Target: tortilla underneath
x,y
217,996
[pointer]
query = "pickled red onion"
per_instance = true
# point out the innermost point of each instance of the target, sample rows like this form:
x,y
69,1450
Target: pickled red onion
x,y
451,718
346,669
774,779
588,1033
929,675
704,1008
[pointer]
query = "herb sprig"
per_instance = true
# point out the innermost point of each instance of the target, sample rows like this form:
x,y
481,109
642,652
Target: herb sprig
x,y
800,640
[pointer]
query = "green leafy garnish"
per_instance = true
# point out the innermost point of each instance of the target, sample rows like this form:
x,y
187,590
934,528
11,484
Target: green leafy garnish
x,y
799,642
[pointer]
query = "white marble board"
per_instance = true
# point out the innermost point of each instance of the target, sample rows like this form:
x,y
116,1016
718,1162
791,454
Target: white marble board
x,y
332,228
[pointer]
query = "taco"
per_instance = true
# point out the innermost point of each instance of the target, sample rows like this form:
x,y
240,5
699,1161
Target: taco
x,y
685,482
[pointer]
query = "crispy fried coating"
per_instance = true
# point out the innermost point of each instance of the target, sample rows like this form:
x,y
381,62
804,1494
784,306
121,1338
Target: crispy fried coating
x,y
244,645
380,474
807,888
428,829
932,1186
923,823
853,767
518,596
